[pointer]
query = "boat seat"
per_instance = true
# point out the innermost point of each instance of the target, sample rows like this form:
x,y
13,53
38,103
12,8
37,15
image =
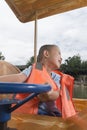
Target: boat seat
x,y
7,68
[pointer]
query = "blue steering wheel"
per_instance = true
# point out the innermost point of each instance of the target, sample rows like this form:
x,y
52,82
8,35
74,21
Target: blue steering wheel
x,y
14,88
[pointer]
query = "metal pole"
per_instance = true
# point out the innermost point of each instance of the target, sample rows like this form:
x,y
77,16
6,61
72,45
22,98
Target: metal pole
x,y
35,38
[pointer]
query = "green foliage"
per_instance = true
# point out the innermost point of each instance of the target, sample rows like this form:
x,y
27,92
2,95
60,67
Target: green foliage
x,y
74,66
83,69
1,56
31,61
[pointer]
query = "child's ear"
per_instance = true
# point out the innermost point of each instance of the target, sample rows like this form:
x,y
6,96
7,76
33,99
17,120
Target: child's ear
x,y
46,53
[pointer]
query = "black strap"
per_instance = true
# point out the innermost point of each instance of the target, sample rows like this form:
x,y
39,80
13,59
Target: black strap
x,y
39,66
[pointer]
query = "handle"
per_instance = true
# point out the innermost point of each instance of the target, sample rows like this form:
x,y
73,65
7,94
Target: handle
x,y
7,88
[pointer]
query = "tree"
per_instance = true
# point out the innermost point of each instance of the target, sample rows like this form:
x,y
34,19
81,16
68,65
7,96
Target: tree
x,y
31,61
72,65
1,56
83,69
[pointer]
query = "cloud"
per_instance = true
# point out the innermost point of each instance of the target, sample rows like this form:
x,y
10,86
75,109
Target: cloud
x,y
67,30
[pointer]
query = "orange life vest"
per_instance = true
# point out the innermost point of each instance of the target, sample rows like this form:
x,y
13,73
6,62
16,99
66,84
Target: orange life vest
x,y
38,76
64,101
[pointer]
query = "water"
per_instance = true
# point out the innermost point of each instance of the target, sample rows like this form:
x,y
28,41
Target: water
x,y
80,91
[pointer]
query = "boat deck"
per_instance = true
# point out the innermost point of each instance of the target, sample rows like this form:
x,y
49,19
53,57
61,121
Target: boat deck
x,y
37,122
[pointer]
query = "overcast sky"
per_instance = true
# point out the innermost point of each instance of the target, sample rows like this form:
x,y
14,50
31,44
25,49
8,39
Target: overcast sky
x,y
67,30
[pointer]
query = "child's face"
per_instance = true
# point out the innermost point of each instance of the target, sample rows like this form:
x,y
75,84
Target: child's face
x,y
55,58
